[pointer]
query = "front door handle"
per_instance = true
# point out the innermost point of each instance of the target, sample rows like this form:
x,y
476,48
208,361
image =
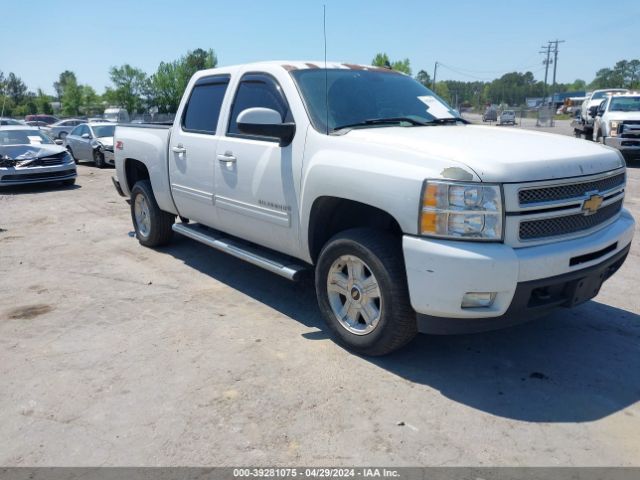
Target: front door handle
x,y
179,149
227,157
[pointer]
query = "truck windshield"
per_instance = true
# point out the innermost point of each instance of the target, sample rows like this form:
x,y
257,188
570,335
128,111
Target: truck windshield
x,y
625,104
368,98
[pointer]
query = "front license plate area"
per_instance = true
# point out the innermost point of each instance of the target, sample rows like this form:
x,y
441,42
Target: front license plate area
x,y
585,289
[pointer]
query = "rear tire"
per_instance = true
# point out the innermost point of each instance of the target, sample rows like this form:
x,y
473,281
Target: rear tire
x,y
362,291
152,225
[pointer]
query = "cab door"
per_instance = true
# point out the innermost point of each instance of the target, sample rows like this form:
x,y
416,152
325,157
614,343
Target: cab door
x,y
255,193
192,150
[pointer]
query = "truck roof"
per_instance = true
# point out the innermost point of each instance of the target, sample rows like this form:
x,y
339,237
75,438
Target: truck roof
x,y
290,65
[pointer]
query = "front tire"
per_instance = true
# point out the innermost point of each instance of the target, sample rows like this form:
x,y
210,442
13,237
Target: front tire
x,y
152,225
362,291
98,159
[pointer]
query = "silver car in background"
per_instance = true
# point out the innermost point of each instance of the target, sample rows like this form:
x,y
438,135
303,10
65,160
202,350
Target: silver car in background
x,y
92,142
28,155
62,128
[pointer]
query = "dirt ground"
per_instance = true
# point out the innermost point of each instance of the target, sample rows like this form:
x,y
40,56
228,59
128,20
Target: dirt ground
x,y
114,354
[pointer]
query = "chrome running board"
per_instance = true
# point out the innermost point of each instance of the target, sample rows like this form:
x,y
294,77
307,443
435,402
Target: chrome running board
x,y
268,260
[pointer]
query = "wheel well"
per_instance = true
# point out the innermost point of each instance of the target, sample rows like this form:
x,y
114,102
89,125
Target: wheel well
x,y
331,215
135,171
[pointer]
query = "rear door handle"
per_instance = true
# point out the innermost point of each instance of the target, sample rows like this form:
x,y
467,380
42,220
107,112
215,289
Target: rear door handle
x,y
179,149
227,157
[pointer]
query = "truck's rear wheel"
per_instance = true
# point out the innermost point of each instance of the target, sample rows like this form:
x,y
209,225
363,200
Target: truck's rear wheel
x,y
152,225
362,291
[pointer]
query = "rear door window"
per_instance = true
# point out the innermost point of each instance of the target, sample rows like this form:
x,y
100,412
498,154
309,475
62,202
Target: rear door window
x,y
203,108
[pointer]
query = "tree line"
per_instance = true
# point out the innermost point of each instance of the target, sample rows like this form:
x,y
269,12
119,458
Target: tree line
x,y
130,88
137,91
515,87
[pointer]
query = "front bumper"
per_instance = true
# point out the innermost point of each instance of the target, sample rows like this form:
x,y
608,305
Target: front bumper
x,y
629,147
109,157
29,175
440,272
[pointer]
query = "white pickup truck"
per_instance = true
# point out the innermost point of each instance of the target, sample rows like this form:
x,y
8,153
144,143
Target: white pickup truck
x,y
411,219
617,124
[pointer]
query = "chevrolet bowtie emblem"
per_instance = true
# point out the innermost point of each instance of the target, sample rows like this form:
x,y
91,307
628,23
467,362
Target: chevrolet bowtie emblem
x,y
592,204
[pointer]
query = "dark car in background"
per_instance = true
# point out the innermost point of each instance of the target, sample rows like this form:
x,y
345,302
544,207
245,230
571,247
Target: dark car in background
x,y
48,119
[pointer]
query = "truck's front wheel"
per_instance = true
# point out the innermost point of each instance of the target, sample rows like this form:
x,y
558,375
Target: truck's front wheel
x,y
362,291
152,225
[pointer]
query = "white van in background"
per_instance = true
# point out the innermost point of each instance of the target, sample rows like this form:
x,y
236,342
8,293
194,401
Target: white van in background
x,y
117,115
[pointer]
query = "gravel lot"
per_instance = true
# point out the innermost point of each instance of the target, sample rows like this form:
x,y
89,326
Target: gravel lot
x,y
113,354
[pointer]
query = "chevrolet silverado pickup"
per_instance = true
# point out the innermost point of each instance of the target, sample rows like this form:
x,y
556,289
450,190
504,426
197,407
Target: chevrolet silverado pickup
x,y
411,219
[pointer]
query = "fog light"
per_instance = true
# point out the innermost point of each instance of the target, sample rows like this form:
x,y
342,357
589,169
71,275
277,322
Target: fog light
x,y
478,299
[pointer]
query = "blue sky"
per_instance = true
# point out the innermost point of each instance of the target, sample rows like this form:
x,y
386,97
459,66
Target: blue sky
x,y
477,39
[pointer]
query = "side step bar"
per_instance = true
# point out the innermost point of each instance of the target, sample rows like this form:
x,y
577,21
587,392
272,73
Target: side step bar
x,y
268,260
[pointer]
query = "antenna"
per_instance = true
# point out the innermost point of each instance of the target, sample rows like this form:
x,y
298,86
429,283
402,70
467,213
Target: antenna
x,y
326,74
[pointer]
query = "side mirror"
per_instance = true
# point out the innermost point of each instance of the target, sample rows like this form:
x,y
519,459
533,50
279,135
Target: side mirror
x,y
57,141
86,135
266,122
593,111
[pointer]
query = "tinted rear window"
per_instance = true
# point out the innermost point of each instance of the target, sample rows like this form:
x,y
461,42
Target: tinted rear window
x,y
202,111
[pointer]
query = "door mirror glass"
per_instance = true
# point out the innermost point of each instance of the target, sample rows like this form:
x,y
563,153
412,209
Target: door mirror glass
x,y
265,122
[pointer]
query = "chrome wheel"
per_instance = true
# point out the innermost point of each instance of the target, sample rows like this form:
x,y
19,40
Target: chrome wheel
x,y
354,295
143,219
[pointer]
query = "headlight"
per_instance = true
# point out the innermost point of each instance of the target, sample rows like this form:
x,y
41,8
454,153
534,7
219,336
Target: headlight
x,y
465,211
96,144
613,128
68,158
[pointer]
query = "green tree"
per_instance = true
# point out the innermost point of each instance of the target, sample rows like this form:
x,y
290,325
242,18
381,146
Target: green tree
x,y
403,66
15,89
170,80
424,78
382,60
90,100
130,86
63,79
71,97
442,90
43,102
577,85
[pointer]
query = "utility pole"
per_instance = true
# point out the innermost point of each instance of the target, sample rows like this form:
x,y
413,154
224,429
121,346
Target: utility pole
x,y
435,70
546,69
555,58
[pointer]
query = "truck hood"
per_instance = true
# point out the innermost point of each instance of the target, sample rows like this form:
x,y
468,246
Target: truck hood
x,y
621,116
497,154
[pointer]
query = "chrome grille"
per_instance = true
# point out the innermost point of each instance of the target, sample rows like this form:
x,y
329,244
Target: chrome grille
x,y
557,226
569,191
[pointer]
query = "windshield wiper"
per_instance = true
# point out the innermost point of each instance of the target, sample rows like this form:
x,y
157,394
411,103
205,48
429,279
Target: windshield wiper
x,y
446,121
382,121
396,120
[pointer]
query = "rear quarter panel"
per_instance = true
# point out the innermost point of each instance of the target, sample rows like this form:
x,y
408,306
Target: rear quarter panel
x,y
148,145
